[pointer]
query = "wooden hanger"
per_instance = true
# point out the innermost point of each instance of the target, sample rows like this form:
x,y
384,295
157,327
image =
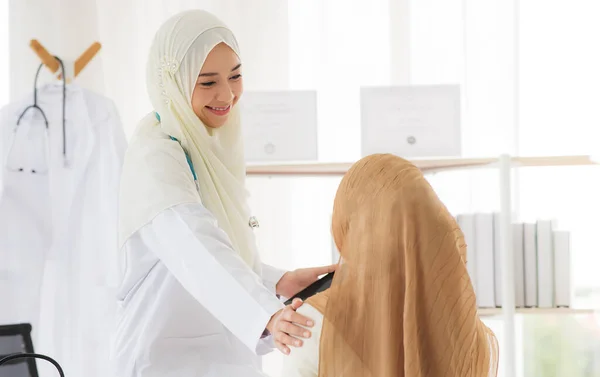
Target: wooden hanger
x,y
86,57
44,56
53,64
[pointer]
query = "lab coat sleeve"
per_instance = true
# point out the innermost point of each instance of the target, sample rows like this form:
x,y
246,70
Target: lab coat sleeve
x,y
2,157
3,142
114,155
271,277
117,134
199,254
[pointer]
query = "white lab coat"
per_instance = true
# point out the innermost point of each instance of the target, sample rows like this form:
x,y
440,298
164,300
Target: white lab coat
x,y
72,223
189,305
25,230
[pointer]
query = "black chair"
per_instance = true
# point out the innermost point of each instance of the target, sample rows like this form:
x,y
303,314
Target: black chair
x,y
16,339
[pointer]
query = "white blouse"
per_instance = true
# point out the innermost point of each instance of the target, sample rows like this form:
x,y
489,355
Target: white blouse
x,y
304,361
189,305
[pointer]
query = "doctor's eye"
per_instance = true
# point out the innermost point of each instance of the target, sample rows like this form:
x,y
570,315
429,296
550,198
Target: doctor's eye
x,y
208,84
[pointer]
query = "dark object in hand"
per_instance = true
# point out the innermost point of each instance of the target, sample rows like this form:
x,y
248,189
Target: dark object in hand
x,y
318,286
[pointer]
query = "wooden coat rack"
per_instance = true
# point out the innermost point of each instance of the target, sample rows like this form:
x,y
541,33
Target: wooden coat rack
x,y
53,64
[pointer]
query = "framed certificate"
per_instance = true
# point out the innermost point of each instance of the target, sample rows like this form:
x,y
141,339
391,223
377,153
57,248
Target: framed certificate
x,y
411,121
280,126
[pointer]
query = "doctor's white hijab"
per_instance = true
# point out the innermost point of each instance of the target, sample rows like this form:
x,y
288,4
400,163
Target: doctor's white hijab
x,y
156,175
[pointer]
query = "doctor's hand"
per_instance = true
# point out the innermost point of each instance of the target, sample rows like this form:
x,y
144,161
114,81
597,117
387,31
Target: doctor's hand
x,y
285,326
293,282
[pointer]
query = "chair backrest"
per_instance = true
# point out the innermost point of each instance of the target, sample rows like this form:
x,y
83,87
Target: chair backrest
x,y
17,339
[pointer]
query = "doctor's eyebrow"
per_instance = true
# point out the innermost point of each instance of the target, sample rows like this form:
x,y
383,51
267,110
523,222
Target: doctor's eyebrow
x,y
215,74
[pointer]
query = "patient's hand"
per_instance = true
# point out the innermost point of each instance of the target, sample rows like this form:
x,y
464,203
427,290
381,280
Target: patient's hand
x,y
285,326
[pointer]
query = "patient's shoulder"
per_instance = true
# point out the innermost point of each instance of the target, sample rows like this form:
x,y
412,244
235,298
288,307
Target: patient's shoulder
x,y
312,313
304,361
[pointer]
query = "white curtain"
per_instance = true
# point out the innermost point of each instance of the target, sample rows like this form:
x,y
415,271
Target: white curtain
x,y
4,39
65,27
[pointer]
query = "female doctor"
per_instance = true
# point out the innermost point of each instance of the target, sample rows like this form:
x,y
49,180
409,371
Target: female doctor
x,y
195,299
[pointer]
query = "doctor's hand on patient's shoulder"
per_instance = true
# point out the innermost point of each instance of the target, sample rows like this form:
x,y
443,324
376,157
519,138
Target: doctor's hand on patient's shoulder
x,y
285,326
293,282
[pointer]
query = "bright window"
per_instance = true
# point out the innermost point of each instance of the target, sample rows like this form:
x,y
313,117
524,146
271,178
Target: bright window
x,y
337,46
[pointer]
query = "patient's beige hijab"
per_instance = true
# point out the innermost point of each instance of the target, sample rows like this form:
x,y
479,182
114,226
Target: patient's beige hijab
x,y
401,303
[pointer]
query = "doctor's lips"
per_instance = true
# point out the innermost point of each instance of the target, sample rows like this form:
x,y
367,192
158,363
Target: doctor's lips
x,y
219,110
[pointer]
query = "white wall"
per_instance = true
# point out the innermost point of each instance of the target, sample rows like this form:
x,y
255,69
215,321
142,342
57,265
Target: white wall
x,y
4,63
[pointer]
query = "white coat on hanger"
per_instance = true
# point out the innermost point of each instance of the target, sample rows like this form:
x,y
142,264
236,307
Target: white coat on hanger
x,y
76,300
25,230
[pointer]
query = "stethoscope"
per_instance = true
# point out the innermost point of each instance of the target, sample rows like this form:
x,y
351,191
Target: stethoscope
x,y
35,106
252,221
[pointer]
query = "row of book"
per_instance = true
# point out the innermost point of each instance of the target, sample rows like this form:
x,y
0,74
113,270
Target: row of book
x,y
542,261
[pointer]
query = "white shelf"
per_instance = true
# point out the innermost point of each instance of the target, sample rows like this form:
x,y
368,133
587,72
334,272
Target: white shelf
x,y
428,165
491,312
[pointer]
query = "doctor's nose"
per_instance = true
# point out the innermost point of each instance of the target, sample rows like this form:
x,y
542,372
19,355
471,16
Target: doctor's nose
x,y
225,94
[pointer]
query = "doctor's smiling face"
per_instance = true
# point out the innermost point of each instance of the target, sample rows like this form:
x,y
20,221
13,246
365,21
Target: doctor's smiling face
x,y
219,86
